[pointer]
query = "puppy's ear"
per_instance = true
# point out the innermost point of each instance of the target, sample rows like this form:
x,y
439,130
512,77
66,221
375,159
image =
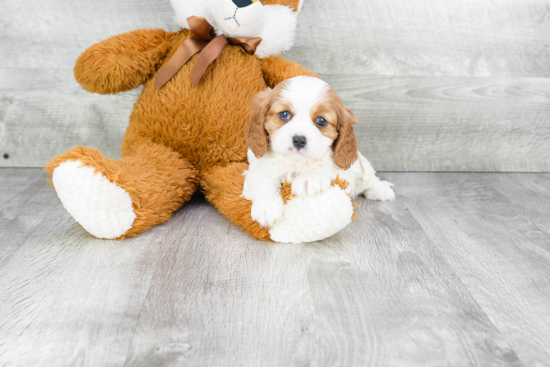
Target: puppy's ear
x,y
345,146
257,135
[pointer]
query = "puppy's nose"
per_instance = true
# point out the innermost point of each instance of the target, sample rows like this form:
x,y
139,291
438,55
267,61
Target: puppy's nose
x,y
299,141
242,3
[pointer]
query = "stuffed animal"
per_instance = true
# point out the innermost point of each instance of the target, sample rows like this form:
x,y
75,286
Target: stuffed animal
x,y
188,128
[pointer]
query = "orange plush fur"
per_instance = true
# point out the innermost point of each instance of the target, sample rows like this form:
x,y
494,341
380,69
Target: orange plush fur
x,y
179,138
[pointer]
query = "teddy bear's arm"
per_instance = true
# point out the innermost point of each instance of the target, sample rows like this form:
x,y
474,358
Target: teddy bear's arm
x,y
276,69
123,62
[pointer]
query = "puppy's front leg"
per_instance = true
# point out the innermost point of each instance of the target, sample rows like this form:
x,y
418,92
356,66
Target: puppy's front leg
x,y
264,192
267,207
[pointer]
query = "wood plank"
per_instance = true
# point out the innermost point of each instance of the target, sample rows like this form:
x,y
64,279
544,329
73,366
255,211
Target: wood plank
x,y
406,123
71,299
221,298
15,183
377,294
25,201
46,113
384,296
450,124
531,192
506,38
451,274
50,35
379,37
479,107
500,255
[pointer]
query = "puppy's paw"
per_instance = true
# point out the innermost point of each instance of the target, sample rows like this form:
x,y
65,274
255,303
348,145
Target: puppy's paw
x,y
310,184
267,210
381,191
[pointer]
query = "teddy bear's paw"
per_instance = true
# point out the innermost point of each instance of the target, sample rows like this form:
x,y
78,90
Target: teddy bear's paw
x,y
310,184
381,191
266,210
313,218
101,207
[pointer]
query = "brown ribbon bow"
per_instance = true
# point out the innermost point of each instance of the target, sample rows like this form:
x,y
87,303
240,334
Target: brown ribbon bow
x,y
204,40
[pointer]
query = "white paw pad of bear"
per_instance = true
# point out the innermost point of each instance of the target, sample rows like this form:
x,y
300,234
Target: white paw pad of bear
x,y
313,217
101,207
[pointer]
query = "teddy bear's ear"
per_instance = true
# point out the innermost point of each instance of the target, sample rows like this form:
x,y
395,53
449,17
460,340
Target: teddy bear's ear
x,y
257,135
184,9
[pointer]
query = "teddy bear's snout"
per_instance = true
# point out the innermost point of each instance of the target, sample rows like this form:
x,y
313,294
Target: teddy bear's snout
x,y
240,18
242,3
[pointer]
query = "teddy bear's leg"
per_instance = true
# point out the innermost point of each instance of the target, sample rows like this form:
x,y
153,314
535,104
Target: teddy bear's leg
x,y
223,187
117,199
305,219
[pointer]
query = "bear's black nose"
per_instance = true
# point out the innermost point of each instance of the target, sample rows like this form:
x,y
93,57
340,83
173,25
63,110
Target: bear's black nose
x,y
299,141
242,3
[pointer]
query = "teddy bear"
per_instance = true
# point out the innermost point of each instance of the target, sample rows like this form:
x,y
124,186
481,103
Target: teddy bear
x,y
188,128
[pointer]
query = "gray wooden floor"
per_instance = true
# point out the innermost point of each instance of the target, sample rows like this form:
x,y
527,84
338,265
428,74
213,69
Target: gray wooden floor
x,y
456,272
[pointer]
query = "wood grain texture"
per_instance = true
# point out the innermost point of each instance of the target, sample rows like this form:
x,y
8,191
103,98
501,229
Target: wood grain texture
x,y
25,201
504,38
47,113
453,273
43,111
450,124
48,35
241,302
448,86
66,297
530,192
494,245
385,296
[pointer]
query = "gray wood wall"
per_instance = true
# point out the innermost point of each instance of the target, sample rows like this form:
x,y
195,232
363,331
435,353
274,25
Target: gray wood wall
x,y
447,85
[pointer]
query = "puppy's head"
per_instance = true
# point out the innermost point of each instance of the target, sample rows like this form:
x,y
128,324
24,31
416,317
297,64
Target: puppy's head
x,y
303,117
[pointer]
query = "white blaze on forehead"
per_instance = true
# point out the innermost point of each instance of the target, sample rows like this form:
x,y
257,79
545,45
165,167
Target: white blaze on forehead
x,y
304,92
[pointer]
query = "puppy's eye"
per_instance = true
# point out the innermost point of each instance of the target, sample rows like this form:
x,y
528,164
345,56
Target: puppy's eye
x,y
321,122
285,116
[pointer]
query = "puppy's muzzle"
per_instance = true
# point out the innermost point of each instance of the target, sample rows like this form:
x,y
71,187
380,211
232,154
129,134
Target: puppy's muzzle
x,y
299,141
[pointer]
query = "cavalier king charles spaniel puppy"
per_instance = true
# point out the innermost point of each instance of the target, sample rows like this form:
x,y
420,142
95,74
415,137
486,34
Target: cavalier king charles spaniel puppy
x,y
301,132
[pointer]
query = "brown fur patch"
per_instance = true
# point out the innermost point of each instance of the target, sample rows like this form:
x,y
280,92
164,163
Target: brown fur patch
x,y
264,119
257,135
327,108
286,192
273,122
340,182
137,57
276,69
345,145
223,187
291,3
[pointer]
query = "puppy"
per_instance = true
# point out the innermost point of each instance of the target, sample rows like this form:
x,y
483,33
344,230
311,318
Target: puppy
x,y
301,132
